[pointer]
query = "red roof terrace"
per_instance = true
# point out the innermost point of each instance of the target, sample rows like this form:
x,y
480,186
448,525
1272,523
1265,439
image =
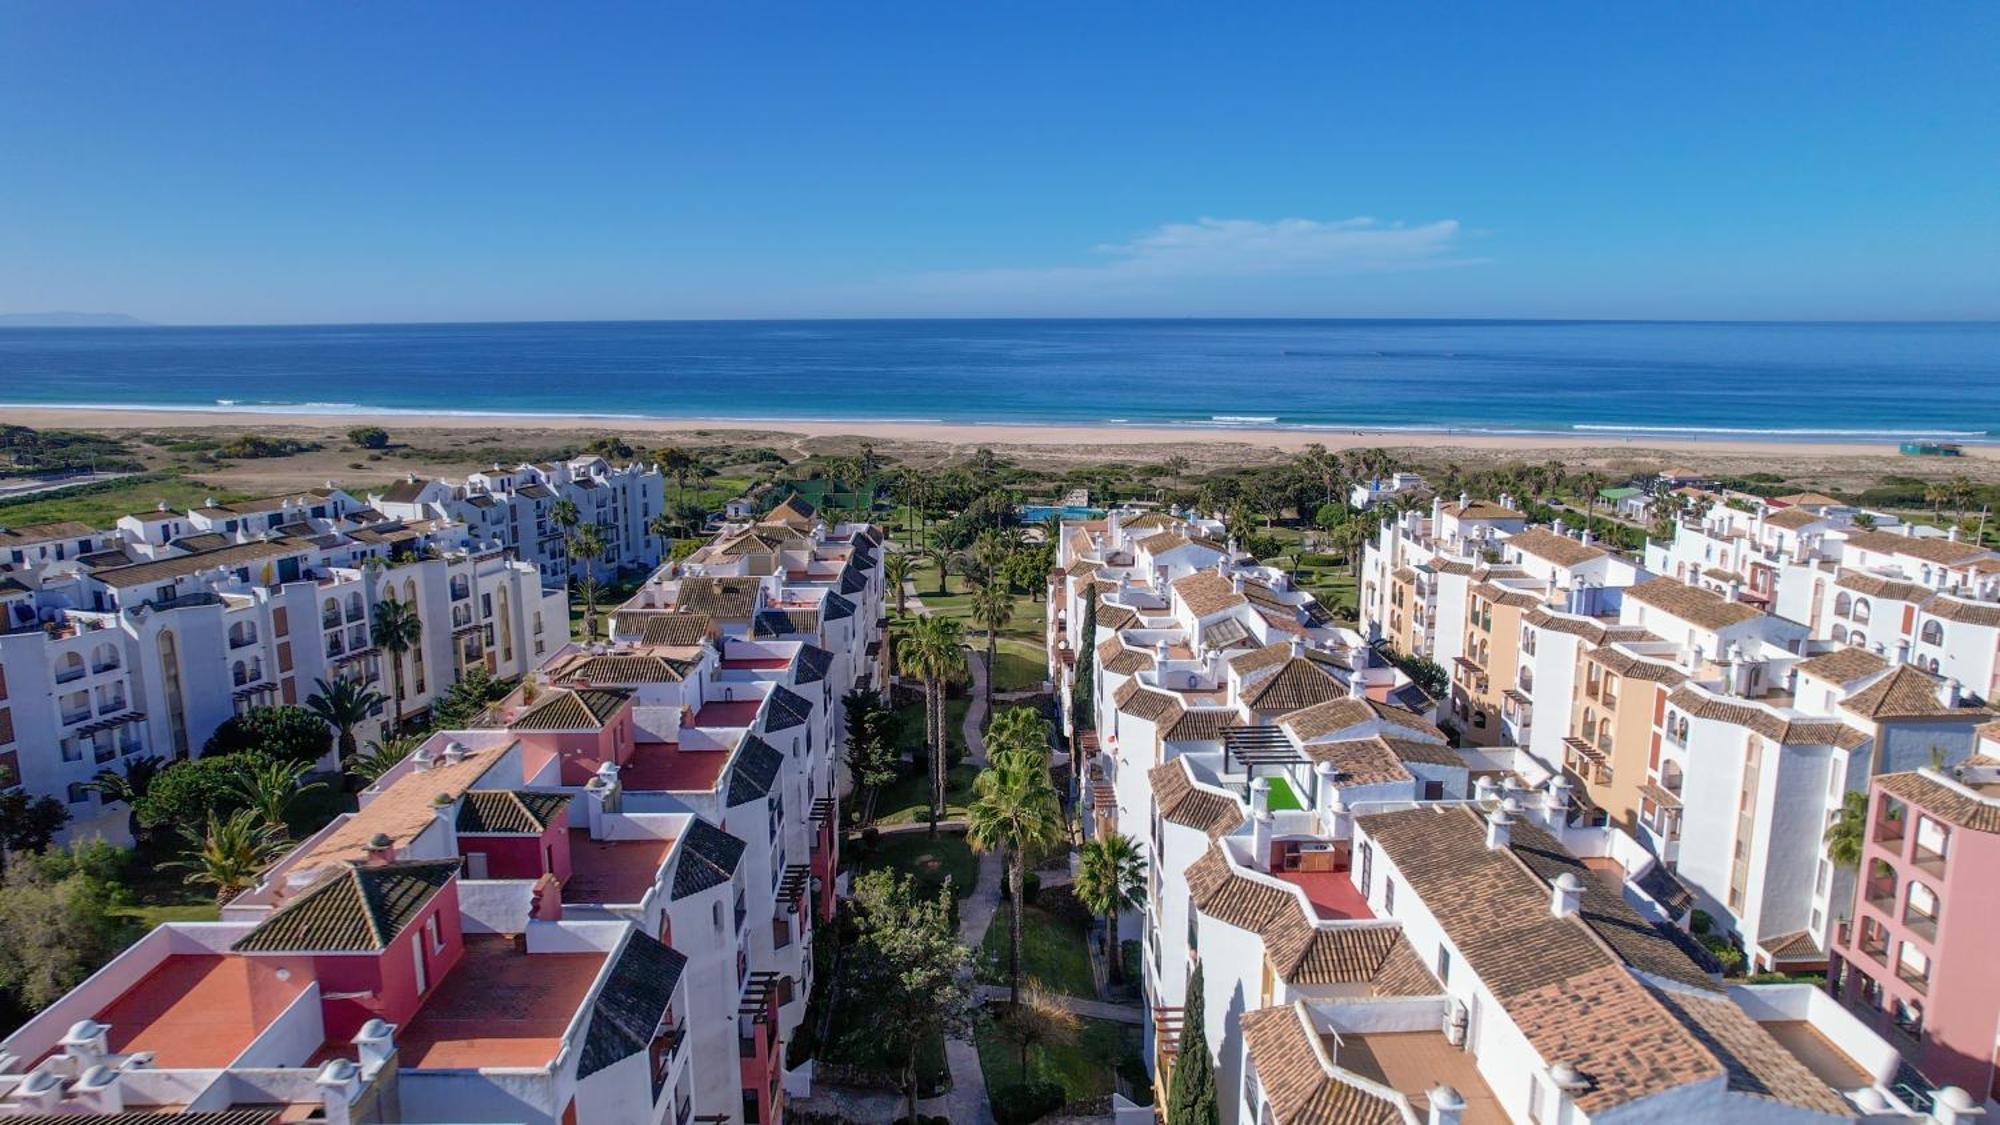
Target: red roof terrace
x,y
656,766
612,871
498,1007
198,1010
1332,893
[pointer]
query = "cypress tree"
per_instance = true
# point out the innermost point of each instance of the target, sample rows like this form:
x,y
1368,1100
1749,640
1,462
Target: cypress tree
x,y
1191,1100
1083,708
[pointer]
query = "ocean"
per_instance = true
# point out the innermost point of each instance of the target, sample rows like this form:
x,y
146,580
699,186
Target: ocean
x,y
1798,380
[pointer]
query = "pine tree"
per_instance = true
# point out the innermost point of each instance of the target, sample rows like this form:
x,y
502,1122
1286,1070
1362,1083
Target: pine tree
x,y
1191,1101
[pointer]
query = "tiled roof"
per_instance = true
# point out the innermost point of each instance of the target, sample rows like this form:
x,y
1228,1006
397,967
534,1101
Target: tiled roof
x,y
708,859
1906,692
1798,732
683,630
1142,703
1634,667
1964,612
1298,684
406,491
1932,548
1797,945
1698,607
1205,592
1284,1049
732,599
1302,953
43,532
509,812
1843,665
1877,586
1114,656
572,709
1794,519
356,909
757,765
1755,1063
625,668
786,622
1162,542
836,608
1506,595
1227,895
1483,510
1660,950
1941,800
629,1007
1197,724
852,580
792,511
1225,633
1184,803
786,710
1115,617
1360,761
402,812
238,555
813,664
1558,549
1340,714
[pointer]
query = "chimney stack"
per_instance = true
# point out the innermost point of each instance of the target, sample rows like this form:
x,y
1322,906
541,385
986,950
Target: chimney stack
x,y
1236,583
375,1045
421,760
381,849
1948,693
1953,1106
1297,646
1902,652
1447,1107
454,753
339,1082
40,1092
1499,825
1555,802
99,1092
1261,823
1565,895
88,1042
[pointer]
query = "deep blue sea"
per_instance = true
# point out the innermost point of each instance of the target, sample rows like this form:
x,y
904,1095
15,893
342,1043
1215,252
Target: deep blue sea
x,y
1803,380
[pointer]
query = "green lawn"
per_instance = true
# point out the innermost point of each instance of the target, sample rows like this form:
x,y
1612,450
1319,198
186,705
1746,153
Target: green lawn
x,y
1018,665
908,800
1086,1068
930,861
100,505
144,918
1028,623
1052,951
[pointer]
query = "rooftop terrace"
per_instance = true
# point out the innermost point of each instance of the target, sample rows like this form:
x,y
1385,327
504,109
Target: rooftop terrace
x,y
612,871
656,766
198,1010
498,1007
730,713
1413,1063
1332,893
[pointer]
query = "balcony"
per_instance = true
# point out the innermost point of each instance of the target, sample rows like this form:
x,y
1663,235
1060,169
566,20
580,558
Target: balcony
x,y
72,717
1921,924
1919,979
1928,860
330,619
241,640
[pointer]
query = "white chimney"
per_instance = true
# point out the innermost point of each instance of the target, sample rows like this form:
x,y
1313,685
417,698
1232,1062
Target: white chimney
x,y
40,1092
1953,1106
1499,826
339,1082
1556,526
454,753
1902,652
1447,1107
1297,646
1236,583
375,1045
1565,895
1327,779
1160,651
1357,686
1261,823
422,759
98,1091
1483,789
1948,693
1555,802
88,1042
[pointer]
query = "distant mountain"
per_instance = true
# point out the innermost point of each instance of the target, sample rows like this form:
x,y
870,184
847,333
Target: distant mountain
x,y
71,320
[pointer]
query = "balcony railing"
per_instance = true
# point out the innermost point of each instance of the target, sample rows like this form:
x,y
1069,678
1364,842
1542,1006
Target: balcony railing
x,y
70,675
242,640
1928,861
1921,981
1923,925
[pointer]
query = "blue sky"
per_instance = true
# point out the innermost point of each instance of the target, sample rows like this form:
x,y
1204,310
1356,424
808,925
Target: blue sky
x,y
282,162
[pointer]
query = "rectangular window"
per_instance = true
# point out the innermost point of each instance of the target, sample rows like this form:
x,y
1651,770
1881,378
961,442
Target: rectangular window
x,y
423,972
1444,965
1388,895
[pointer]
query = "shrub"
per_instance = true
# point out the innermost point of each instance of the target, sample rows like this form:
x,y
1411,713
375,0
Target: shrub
x,y
1725,952
369,437
283,731
187,791
1019,1103
1701,921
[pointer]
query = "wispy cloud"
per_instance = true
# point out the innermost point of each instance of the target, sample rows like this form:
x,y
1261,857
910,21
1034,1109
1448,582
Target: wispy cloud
x,y
1177,257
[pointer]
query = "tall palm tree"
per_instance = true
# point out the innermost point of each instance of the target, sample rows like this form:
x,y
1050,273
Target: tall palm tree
x,y
564,514
933,651
1016,813
1111,879
112,786
897,567
586,545
344,705
989,553
992,610
1847,833
663,525
229,854
396,629
270,787
942,557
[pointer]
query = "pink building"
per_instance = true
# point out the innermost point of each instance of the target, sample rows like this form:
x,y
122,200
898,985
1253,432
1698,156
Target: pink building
x,y
1916,955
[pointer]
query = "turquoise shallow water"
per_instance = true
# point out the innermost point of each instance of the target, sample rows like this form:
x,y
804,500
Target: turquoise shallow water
x,y
1803,380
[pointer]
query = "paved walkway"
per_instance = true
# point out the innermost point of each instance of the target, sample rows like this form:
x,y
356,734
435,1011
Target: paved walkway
x,y
966,1101
1093,1009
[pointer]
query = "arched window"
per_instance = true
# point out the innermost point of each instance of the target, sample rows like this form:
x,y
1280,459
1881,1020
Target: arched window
x,y
329,614
1682,732
104,657
70,668
238,674
1843,603
355,611
1934,665
1858,639
1670,777
1839,634
1933,633
1861,611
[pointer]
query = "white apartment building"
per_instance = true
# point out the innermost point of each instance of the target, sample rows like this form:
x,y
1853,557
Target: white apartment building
x,y
515,509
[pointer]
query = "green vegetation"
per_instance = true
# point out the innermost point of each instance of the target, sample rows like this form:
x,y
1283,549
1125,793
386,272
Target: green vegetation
x,y
1016,814
250,447
1089,1066
1191,1099
929,860
369,437
26,452
909,964
100,503
1054,946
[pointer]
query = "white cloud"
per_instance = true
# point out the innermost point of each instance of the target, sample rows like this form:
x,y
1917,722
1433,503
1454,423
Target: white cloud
x,y
1176,256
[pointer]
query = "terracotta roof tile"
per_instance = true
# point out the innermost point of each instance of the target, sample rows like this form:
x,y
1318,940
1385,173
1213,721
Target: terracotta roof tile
x,y
1550,547
353,909
1930,548
509,812
567,709
1702,608
1907,692
1944,801
1299,683
1877,586
1290,1067
1183,802
1843,665
1964,612
1205,592
1342,714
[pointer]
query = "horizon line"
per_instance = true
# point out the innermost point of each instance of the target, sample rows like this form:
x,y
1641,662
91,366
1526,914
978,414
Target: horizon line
x,y
139,324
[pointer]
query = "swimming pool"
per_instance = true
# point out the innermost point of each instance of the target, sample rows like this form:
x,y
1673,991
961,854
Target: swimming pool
x,y
1036,513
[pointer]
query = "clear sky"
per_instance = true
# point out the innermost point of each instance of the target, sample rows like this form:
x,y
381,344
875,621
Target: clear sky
x,y
290,162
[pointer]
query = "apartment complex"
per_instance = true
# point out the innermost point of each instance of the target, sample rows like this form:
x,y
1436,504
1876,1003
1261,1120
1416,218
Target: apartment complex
x,y
1393,924
142,639
516,510
598,905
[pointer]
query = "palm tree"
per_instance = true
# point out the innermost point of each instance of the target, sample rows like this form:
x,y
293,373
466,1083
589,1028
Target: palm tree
x,y
396,629
1935,494
586,545
1017,814
663,525
270,787
988,555
112,786
564,514
344,705
942,558
896,567
1110,879
992,610
1848,831
677,463
932,650
229,854
381,757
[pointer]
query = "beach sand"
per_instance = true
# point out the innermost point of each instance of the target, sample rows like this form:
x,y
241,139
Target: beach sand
x,y
1832,463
